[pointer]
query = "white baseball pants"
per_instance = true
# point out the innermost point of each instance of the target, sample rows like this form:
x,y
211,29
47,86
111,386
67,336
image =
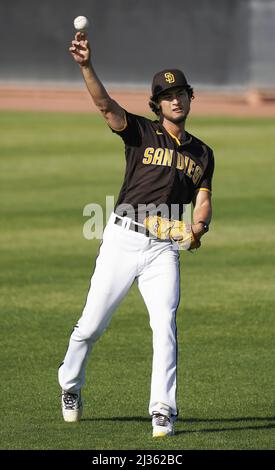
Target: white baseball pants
x,y
124,256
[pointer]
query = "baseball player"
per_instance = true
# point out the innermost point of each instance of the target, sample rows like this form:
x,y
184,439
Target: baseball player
x,y
166,168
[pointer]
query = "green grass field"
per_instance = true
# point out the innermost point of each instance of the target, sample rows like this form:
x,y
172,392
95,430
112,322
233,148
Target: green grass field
x,y
52,165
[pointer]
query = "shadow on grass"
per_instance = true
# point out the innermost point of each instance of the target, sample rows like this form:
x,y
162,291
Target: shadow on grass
x,y
248,419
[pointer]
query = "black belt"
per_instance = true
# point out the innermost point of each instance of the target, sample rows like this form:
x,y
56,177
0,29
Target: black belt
x,y
133,226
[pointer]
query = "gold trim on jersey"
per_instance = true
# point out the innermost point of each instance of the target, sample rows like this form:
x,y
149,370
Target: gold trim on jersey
x,y
174,137
204,189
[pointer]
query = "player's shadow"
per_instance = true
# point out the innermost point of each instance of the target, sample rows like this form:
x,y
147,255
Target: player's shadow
x,y
227,424
223,424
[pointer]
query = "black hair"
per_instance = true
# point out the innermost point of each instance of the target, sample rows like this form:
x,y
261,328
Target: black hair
x,y
155,107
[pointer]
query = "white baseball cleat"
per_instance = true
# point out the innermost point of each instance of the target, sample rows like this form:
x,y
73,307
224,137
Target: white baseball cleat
x,y
71,406
162,421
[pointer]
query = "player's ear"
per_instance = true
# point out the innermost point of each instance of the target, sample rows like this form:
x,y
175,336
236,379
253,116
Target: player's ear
x,y
158,109
155,107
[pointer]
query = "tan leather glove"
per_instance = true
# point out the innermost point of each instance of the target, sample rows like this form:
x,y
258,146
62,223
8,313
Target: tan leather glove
x,y
174,230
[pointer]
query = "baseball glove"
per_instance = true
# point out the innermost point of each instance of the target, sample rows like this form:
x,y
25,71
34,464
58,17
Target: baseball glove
x,y
174,230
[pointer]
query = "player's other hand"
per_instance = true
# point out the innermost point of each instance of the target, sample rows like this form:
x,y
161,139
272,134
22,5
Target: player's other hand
x,y
80,49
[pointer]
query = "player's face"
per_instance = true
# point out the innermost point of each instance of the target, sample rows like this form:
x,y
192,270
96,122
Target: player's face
x,y
175,104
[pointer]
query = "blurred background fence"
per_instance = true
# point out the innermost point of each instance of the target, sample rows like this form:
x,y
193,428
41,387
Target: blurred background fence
x,y
220,44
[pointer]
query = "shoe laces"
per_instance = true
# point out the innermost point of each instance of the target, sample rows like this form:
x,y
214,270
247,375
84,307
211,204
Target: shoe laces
x,y
160,420
70,400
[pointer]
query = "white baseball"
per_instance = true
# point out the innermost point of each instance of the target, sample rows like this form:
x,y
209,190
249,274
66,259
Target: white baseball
x,y
81,23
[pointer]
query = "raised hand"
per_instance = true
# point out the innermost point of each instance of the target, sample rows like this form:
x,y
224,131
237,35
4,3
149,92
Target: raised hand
x,y
80,49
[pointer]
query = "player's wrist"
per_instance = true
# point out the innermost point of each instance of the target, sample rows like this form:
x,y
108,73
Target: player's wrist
x,y
200,228
204,225
85,65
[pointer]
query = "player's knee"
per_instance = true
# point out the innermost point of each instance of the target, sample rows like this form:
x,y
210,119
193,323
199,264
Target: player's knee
x,y
89,333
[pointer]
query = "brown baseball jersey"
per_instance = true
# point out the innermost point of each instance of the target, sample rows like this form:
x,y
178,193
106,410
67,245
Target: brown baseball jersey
x,y
159,168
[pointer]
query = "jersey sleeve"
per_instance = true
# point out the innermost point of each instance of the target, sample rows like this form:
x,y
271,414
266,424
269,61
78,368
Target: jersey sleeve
x,y
206,180
131,132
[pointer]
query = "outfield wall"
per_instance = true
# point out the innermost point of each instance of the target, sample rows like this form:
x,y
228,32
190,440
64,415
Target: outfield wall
x,y
218,43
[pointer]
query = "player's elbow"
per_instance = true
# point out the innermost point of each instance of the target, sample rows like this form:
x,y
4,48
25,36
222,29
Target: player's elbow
x,y
104,105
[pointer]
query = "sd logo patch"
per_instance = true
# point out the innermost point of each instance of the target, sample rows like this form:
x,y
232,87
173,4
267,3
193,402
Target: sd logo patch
x,y
169,77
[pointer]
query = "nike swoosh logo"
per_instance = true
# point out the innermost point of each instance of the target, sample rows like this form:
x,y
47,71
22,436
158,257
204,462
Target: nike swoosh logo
x,y
159,133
